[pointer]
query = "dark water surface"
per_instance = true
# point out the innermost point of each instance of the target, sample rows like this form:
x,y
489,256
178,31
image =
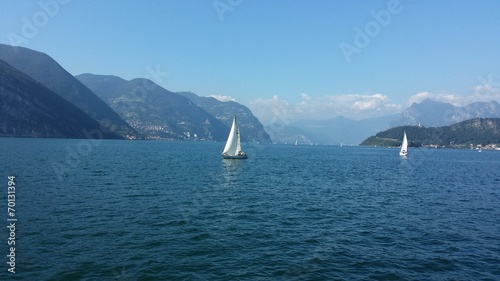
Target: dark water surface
x,y
155,210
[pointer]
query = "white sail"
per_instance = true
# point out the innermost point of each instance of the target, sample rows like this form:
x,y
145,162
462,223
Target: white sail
x,y
233,144
404,146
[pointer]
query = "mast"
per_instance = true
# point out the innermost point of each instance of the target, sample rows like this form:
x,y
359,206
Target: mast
x,y
238,140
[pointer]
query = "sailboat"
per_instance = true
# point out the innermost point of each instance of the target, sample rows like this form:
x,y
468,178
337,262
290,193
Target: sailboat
x,y
404,146
232,150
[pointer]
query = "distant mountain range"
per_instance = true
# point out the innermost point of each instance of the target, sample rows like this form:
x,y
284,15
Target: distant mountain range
x,y
50,74
29,109
433,114
141,109
251,128
339,130
134,109
478,131
285,134
154,111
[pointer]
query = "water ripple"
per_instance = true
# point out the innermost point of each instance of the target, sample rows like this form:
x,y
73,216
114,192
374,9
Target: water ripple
x,y
176,211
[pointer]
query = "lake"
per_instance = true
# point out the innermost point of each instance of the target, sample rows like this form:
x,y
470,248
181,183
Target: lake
x,y
159,210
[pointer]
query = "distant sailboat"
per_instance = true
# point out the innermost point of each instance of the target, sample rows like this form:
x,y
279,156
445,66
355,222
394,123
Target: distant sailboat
x,y
232,150
296,142
404,146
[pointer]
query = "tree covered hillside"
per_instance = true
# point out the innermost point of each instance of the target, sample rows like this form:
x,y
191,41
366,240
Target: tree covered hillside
x,y
475,131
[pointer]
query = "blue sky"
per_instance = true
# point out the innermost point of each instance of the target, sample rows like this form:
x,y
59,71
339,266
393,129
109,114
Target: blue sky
x,y
294,59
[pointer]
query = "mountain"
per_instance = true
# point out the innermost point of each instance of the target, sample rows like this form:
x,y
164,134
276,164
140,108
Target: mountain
x,y
49,73
336,131
427,113
154,111
284,134
250,127
341,130
29,109
432,113
480,131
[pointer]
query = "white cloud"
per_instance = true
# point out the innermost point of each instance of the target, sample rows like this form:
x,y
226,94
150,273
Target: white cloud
x,y
269,111
488,90
448,98
223,98
358,106
482,93
352,106
373,102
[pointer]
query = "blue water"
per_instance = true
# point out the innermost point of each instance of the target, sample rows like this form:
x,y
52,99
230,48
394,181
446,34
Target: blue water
x,y
156,210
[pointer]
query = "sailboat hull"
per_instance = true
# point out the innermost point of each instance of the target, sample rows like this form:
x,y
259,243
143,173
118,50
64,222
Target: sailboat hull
x,y
234,156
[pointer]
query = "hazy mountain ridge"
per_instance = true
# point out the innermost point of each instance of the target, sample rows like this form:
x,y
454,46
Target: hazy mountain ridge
x,y
251,128
29,109
427,113
284,134
155,111
478,131
341,130
431,113
42,68
139,105
146,107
